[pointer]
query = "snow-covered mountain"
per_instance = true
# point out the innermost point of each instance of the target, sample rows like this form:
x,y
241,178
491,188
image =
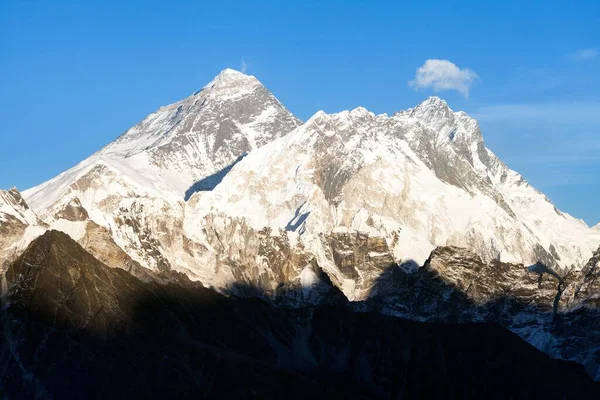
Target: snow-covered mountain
x,y
135,188
419,179
227,187
182,143
596,227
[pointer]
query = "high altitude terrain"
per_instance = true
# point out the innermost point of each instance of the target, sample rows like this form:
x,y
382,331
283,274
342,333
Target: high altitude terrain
x,y
74,328
409,215
413,181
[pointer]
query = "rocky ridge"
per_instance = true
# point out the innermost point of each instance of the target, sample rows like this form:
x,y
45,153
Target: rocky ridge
x,y
73,327
556,312
227,188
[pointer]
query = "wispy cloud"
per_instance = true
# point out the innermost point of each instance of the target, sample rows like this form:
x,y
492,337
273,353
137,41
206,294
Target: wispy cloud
x,y
443,75
585,54
557,113
560,179
552,144
244,66
557,157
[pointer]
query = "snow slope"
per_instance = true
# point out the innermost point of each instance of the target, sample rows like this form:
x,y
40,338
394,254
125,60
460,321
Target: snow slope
x,y
229,188
226,187
136,186
420,179
184,142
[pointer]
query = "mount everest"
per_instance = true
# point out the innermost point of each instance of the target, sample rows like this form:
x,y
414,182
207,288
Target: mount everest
x,y
230,189
416,180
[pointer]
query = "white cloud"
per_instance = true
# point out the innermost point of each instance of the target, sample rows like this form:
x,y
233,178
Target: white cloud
x,y
443,75
244,66
585,54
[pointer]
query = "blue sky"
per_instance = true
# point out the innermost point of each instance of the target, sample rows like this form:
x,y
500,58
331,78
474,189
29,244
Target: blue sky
x,y
76,74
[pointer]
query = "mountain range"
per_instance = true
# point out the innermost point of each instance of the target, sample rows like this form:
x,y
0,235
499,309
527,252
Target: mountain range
x,y
407,215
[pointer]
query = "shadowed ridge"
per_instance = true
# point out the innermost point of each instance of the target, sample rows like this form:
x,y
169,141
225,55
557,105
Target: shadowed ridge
x,y
539,304
454,284
588,287
74,328
210,182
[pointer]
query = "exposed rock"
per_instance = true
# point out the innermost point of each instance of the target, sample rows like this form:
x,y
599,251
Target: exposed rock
x,y
226,188
536,302
73,211
587,286
15,219
74,328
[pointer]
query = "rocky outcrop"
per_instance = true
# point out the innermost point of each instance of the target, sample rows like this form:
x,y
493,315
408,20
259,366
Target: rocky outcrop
x,y
15,219
536,286
74,328
73,211
586,288
360,260
555,311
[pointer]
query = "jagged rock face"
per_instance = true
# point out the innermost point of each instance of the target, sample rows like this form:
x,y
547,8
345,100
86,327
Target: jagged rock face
x,y
483,283
275,265
542,306
73,328
231,253
99,243
455,284
73,211
18,225
360,260
586,289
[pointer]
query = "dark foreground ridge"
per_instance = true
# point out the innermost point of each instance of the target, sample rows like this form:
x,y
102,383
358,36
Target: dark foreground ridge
x,y
72,327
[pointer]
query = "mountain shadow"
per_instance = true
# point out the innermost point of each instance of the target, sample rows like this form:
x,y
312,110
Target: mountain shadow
x,y
75,328
521,299
210,182
297,220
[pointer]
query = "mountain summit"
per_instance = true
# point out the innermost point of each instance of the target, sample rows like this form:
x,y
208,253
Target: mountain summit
x,y
184,142
418,179
135,187
229,188
403,179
